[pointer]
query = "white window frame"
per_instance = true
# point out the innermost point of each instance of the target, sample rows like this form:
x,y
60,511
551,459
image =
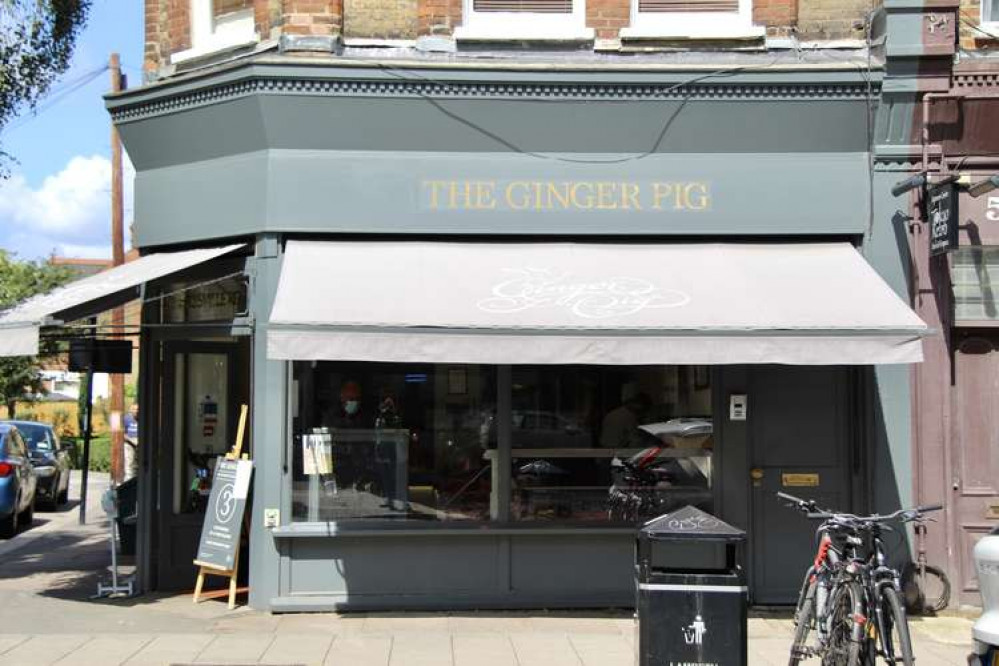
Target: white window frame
x,y
693,25
515,26
209,36
989,23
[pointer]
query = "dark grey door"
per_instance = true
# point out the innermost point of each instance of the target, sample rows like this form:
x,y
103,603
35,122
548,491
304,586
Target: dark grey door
x,y
798,432
203,385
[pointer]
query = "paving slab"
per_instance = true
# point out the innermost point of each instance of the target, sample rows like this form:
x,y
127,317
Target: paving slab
x,y
544,650
235,649
305,649
10,641
168,649
422,649
490,649
43,650
360,650
602,650
106,650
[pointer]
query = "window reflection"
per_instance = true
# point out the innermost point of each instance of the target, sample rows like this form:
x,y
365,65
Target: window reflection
x,y
390,441
610,444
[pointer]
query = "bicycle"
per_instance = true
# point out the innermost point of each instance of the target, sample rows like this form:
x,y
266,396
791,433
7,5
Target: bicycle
x,y
850,596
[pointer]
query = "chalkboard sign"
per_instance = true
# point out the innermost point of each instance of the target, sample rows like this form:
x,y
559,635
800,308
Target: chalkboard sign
x,y
224,516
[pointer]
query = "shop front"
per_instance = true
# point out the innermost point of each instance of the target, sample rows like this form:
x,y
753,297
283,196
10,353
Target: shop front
x,y
489,318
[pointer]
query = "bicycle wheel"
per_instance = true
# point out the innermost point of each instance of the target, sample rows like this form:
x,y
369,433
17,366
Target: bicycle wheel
x,y
936,589
846,634
896,644
804,615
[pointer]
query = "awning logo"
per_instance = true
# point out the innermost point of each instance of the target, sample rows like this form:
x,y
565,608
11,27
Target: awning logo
x,y
531,288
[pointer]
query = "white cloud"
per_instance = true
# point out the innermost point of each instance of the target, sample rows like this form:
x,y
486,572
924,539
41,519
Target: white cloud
x,y
69,213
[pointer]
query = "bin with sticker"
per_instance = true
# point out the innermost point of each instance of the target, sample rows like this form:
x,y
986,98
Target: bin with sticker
x,y
692,595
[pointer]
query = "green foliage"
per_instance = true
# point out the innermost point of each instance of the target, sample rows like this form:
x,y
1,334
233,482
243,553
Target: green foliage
x,y
36,42
61,422
100,453
19,280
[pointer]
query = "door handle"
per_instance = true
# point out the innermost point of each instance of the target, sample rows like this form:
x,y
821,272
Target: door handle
x,y
756,474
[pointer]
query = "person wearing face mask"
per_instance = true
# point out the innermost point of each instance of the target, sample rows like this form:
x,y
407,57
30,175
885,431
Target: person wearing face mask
x,y
350,415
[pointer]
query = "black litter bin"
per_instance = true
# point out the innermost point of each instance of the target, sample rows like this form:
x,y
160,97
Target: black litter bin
x,y
691,591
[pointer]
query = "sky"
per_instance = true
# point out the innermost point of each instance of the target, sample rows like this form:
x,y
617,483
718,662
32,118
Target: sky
x,y
57,198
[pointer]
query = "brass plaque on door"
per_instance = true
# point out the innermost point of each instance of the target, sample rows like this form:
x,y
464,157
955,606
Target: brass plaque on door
x,y
799,480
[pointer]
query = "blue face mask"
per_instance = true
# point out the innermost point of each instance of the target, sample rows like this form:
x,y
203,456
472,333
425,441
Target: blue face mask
x,y
351,407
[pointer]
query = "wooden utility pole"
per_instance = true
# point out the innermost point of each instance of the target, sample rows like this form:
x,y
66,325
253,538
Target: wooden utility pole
x,y
118,258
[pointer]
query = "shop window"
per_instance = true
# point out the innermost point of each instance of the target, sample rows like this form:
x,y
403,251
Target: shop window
x,y
975,283
217,25
691,18
501,20
377,441
609,444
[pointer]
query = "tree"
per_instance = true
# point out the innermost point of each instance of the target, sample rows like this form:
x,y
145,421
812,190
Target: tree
x,y
36,43
19,280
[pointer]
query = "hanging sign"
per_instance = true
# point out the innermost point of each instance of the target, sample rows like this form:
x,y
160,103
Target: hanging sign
x,y
941,211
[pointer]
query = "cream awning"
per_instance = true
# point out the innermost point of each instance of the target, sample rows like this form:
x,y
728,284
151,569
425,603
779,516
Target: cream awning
x,y
19,327
611,304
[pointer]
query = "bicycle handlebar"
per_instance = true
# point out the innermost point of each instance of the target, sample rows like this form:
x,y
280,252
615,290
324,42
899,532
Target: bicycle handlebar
x,y
814,513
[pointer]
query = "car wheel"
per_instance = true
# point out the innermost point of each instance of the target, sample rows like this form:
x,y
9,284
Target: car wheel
x,y
63,496
28,515
8,526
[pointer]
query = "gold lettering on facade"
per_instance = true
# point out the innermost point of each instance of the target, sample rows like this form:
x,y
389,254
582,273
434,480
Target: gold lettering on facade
x,y
545,195
585,202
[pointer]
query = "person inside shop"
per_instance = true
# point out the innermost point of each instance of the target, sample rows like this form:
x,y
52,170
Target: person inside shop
x,y
347,412
619,429
131,450
386,455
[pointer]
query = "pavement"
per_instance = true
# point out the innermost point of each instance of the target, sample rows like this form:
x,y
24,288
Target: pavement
x,y
49,573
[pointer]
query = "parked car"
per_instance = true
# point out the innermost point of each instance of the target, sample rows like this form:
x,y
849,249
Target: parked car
x,y
17,482
50,459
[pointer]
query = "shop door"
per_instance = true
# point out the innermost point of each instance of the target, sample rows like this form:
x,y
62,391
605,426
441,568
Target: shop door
x,y
975,466
798,429
203,385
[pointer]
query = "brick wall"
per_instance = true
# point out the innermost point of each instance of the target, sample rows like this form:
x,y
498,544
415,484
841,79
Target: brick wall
x,y
438,17
380,19
312,17
607,17
168,22
831,19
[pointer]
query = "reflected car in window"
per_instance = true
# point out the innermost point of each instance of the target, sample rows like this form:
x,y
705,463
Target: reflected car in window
x,y
50,459
17,482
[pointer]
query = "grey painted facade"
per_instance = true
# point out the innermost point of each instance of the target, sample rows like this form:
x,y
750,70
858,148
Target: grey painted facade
x,y
268,149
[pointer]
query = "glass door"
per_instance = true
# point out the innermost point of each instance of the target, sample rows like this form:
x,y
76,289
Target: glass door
x,y
203,385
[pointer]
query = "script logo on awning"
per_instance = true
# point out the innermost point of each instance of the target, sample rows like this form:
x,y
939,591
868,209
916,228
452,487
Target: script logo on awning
x,y
612,297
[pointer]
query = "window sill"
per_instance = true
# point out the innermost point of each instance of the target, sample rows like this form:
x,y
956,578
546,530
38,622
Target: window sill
x,y
390,529
503,33
212,48
642,32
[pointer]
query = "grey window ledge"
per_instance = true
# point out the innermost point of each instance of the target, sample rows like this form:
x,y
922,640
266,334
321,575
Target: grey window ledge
x,y
320,530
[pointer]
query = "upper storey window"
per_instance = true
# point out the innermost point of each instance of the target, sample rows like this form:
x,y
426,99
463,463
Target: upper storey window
x,y
217,25
692,18
504,20
990,13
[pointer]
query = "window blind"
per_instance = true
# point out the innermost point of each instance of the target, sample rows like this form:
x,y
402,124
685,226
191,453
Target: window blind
x,y
524,6
668,6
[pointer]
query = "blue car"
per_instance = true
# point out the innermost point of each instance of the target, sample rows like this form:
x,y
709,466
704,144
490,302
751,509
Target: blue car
x,y
50,459
17,482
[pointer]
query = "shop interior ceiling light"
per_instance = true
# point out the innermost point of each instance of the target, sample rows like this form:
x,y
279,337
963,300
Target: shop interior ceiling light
x,y
983,186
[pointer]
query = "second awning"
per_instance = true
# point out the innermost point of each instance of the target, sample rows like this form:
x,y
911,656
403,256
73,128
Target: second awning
x,y
608,304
